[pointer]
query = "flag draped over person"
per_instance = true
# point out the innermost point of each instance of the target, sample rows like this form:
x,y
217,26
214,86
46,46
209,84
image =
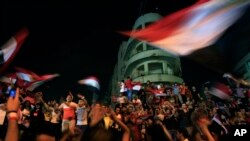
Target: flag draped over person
x,y
192,28
11,47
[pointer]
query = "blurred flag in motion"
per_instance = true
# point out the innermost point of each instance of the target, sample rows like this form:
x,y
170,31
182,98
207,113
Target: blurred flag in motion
x,y
192,28
8,78
137,86
26,75
221,91
90,81
44,78
11,47
30,80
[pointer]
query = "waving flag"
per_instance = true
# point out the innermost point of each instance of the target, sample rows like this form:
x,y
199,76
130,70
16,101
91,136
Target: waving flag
x,y
221,91
26,75
9,78
90,81
193,28
11,47
156,92
30,80
44,78
137,86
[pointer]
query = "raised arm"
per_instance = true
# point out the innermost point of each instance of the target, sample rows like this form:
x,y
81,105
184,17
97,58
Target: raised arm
x,y
12,108
126,134
165,130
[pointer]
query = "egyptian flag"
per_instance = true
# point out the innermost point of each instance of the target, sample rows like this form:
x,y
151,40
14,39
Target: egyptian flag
x,y
30,80
159,93
192,28
221,91
90,81
156,92
9,78
137,86
11,47
31,86
26,75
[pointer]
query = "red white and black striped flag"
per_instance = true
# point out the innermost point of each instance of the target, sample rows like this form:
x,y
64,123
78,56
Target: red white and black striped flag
x,y
30,80
192,28
221,91
90,81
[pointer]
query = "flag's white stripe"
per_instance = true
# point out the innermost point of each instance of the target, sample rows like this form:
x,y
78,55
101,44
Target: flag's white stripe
x,y
137,87
90,82
204,30
34,85
7,80
25,76
161,94
219,93
9,48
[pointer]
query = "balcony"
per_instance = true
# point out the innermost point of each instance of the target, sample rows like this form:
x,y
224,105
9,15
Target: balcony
x,y
158,78
149,55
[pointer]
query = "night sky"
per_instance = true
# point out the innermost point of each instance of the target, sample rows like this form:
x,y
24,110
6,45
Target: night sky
x,y
78,38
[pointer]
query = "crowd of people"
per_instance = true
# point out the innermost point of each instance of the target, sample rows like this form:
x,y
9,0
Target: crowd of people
x,y
155,111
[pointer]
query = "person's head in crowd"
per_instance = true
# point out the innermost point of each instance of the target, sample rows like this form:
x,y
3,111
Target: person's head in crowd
x,y
200,116
184,106
117,110
97,134
182,134
135,97
130,108
124,109
69,97
41,132
81,103
149,121
193,88
38,106
129,78
27,103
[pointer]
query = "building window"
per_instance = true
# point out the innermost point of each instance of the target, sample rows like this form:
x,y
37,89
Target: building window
x,y
139,27
149,47
147,24
170,71
139,48
141,70
155,68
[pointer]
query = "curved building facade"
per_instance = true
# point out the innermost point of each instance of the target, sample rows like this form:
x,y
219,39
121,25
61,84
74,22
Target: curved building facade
x,y
143,62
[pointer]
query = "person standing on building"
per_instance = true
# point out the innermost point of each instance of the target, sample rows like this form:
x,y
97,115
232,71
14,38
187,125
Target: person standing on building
x,y
129,87
121,85
183,91
176,91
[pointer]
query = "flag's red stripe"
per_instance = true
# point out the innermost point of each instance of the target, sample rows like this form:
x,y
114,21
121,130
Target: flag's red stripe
x,y
165,26
19,38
